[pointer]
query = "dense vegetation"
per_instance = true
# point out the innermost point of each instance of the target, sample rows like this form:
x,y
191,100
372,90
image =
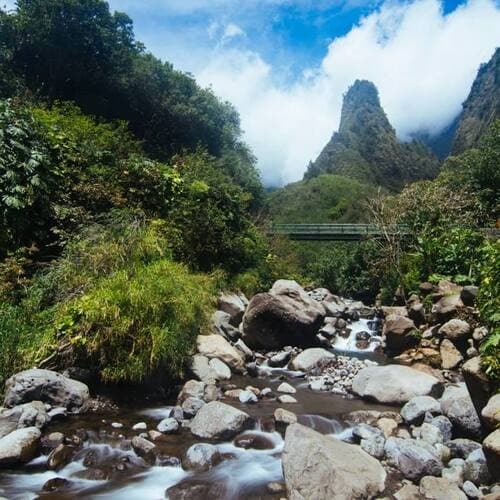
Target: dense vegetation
x,y
366,146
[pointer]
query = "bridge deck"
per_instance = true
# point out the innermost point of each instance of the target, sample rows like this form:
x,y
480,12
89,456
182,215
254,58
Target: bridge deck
x,y
333,232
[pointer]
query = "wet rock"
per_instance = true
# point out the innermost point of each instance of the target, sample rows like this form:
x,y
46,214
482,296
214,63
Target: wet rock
x,y
247,397
201,457
439,488
469,294
51,441
456,330
276,488
191,406
217,420
476,468
279,360
284,316
61,456
191,389
140,426
286,388
414,411
462,448
31,414
221,326
399,333
144,449
57,484
457,405
212,393
318,466
413,458
491,448
196,489
286,399
310,359
168,426
216,346
177,412
491,412
244,349
393,384
233,305
46,386
250,440
450,355
20,446
284,417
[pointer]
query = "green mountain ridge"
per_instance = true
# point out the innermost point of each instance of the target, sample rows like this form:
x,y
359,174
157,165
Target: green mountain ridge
x,y
366,146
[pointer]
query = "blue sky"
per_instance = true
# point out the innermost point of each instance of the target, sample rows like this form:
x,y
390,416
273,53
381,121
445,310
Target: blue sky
x,y
285,64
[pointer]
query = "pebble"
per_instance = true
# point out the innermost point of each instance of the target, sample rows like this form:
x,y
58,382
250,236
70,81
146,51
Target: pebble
x,y
286,399
247,397
287,388
141,426
117,425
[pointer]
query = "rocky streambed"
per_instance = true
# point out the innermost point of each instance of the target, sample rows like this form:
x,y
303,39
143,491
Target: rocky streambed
x,y
291,396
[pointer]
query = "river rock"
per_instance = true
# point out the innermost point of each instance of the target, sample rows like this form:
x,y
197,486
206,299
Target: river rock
x,y
444,425
20,446
414,411
168,426
247,397
371,439
318,466
287,399
447,307
469,294
394,310
462,447
416,313
221,370
450,355
279,360
202,370
46,386
393,384
413,458
31,414
284,417
399,333
244,350
191,406
254,441
284,316
491,412
61,456
217,420
456,330
216,346
233,305
221,326
476,468
408,492
439,488
192,488
311,358
201,457
191,389
457,405
491,448
286,388
144,449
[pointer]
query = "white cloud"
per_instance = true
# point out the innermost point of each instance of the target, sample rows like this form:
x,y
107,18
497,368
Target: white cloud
x,y
422,61
232,31
8,4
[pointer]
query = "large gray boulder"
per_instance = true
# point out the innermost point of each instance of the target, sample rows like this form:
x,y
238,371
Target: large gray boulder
x,y
399,333
491,448
447,307
491,412
393,384
31,414
318,466
19,446
413,458
311,358
414,411
46,386
216,346
456,404
284,316
219,421
201,457
234,305
456,330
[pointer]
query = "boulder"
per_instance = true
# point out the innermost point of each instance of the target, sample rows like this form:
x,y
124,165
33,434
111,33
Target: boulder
x,y
219,421
416,313
457,405
491,448
202,370
394,310
244,350
476,468
284,316
31,414
201,457
371,439
399,333
393,384
221,370
46,386
491,412
221,326
216,346
444,425
287,399
233,305
415,410
462,447
439,488
447,307
286,388
456,330
144,449
247,397
478,383
191,406
311,358
191,389
450,355
318,466
469,294
19,447
168,426
284,417
415,459
408,492
280,359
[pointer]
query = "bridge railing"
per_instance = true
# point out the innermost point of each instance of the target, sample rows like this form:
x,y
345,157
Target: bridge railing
x,y
340,229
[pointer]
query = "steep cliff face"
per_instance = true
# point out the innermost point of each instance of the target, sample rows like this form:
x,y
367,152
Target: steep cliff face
x,y
366,146
481,108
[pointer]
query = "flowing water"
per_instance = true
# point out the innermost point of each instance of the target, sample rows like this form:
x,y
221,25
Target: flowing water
x,y
107,468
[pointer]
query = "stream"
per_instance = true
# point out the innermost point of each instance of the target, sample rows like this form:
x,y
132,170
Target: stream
x,y
106,467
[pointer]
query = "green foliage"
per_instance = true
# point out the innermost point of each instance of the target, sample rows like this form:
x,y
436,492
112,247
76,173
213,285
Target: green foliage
x,y
489,307
326,198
